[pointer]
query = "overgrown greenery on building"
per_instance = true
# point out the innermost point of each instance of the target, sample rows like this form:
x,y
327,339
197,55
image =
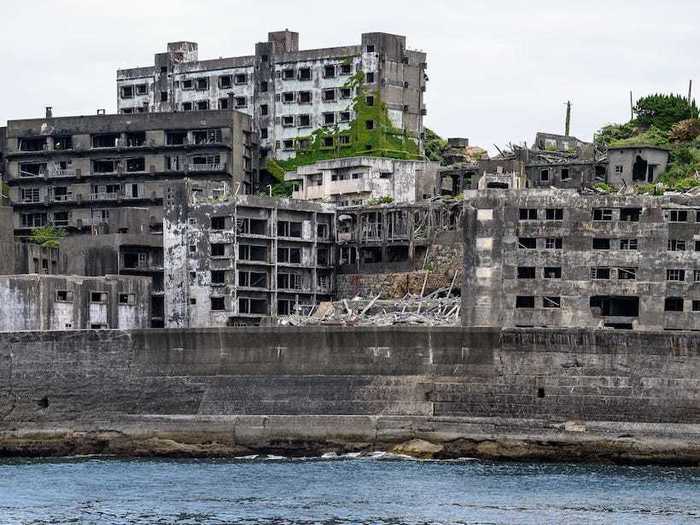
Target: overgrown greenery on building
x,y
370,133
669,121
47,236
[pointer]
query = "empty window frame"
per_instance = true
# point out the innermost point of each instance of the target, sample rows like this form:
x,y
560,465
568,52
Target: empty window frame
x,y
127,298
289,229
626,274
241,102
288,97
628,244
696,306
304,120
218,277
107,140
528,214
98,297
525,301
187,84
225,81
218,250
218,303
526,272
345,92
252,252
527,243
206,136
240,78
345,69
553,243
288,73
328,119
602,214
551,302
601,244
304,73
544,175
329,95
218,223
598,273
630,214
64,296
565,176
675,274
676,215
251,279
676,245
289,255
329,71
673,304
552,272
696,275
304,97
136,165
288,121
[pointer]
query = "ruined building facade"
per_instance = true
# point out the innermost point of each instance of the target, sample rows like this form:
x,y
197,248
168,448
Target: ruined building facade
x,y
355,181
289,92
233,260
73,172
559,258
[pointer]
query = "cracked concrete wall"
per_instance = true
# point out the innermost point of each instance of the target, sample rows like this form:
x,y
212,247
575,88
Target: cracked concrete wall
x,y
53,302
593,254
7,242
559,375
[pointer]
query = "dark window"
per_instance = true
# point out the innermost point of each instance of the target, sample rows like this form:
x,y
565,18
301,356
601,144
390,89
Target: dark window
x,y
218,223
263,133
675,275
263,109
676,245
696,306
218,277
527,243
240,78
329,71
544,175
370,78
552,272
528,214
304,73
218,250
600,273
628,244
602,214
218,303
601,244
626,273
64,296
525,301
554,214
369,124
370,100
673,304
565,174
304,97
98,297
677,216
345,69
630,214
329,95
526,272
263,86
225,81
551,302
553,243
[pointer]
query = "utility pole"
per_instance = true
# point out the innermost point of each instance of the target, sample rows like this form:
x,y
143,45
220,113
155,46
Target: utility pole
x,y
631,107
690,90
567,124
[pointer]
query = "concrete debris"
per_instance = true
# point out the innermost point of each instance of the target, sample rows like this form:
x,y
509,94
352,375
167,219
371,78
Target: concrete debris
x,y
440,308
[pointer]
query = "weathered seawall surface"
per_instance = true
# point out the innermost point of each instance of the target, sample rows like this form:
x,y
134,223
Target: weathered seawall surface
x,y
545,394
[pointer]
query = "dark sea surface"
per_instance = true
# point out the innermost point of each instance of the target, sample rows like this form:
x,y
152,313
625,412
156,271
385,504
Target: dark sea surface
x,y
376,490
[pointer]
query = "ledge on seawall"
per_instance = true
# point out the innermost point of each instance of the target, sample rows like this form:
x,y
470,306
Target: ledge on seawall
x,y
312,436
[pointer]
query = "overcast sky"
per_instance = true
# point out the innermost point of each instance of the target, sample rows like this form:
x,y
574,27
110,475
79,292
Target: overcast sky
x,y
499,70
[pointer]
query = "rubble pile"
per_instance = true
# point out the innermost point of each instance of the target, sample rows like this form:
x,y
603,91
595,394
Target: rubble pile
x,y
440,308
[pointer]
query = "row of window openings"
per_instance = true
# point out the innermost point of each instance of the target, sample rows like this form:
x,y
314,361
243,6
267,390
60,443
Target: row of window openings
x,y
598,273
67,296
673,245
247,252
671,304
544,175
249,279
607,214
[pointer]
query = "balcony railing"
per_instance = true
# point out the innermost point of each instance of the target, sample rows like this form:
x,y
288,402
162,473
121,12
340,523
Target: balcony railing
x,y
58,172
104,196
216,166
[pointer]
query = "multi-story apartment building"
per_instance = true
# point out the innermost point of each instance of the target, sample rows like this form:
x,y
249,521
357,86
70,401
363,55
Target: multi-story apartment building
x,y
290,93
73,171
238,259
558,258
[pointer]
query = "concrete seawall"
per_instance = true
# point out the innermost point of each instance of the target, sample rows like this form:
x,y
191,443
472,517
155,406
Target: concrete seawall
x,y
545,394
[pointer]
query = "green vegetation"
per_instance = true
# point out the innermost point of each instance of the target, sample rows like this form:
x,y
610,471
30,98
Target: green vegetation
x,y
380,200
371,133
668,121
47,236
604,186
435,146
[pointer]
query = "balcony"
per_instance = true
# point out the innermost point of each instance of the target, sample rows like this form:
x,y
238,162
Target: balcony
x,y
58,172
216,166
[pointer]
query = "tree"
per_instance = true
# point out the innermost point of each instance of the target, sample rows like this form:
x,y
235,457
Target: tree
x,y
663,111
48,236
434,145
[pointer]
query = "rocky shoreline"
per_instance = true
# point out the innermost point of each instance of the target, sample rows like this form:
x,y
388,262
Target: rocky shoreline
x,y
314,436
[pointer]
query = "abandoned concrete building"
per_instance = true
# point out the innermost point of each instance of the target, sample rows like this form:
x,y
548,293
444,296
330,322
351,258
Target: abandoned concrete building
x,y
289,92
630,165
62,302
239,259
559,258
394,237
355,181
73,172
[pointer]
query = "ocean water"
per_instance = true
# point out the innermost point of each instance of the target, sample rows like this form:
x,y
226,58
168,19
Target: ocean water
x,y
376,490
